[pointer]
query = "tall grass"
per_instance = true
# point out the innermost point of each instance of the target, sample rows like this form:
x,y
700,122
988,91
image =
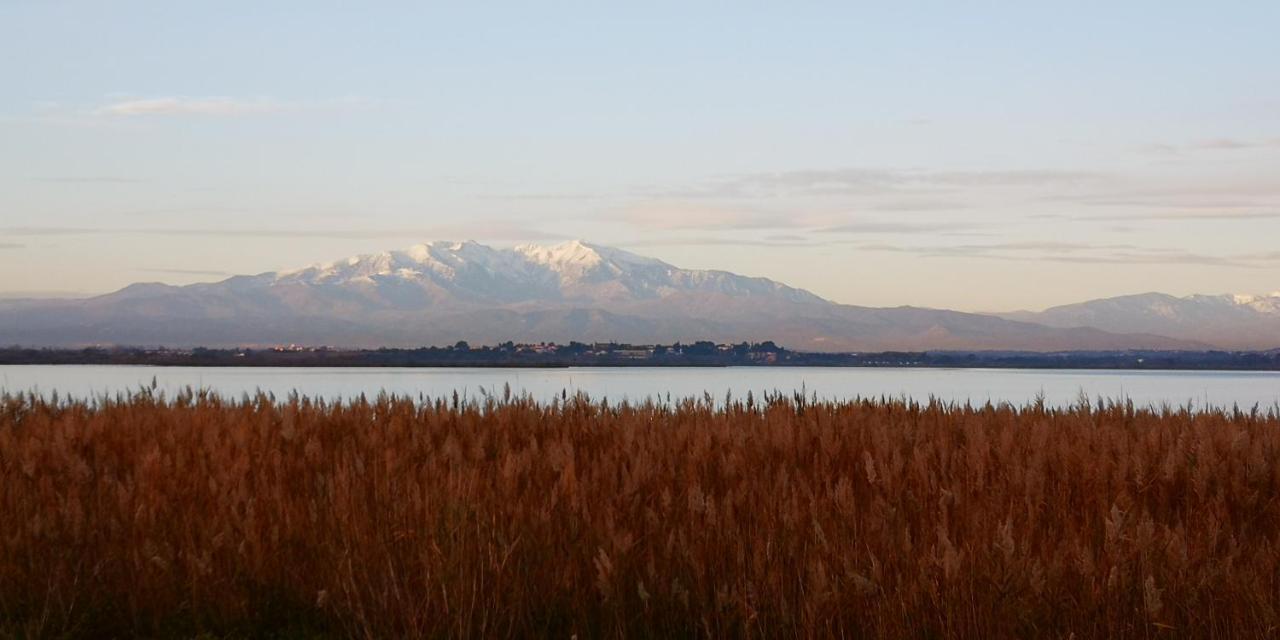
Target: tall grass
x,y
510,518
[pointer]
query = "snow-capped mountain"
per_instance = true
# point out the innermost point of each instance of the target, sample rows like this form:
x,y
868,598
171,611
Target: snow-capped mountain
x,y
1237,321
441,292
472,273
1269,304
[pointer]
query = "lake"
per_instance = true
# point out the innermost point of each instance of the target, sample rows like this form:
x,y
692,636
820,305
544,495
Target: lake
x,y
1059,387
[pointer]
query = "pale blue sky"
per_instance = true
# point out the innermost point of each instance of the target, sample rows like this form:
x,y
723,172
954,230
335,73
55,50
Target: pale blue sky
x,y
967,155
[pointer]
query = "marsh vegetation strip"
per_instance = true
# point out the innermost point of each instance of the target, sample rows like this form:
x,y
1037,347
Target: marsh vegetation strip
x,y
774,518
1018,386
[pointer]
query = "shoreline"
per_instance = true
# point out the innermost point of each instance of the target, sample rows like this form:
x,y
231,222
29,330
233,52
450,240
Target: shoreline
x,y
485,358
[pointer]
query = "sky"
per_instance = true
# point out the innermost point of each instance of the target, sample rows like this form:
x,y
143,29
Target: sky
x,y
974,156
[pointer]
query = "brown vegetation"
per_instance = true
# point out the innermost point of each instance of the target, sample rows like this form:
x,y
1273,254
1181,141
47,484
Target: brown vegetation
x,y
510,518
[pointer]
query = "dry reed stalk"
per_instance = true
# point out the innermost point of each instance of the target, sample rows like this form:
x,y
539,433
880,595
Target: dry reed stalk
x,y
509,518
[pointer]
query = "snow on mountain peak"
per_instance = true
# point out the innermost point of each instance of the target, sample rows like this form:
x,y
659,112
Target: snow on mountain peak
x,y
574,252
575,259
574,270
1268,303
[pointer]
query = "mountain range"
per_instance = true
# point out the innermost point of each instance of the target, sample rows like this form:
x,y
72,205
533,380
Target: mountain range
x,y
1226,321
442,292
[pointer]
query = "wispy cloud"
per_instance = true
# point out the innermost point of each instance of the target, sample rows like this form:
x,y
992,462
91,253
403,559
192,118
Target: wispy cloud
x,y
700,241
1157,149
1211,216
818,238
1231,144
918,205
187,272
174,106
867,227
219,106
676,215
550,197
1069,252
1030,246
847,200
87,180
1177,196
48,231
871,181
128,112
478,231
1168,257
1213,144
779,240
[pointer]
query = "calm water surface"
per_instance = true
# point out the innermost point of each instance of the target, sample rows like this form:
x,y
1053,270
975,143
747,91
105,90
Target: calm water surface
x,y
1217,388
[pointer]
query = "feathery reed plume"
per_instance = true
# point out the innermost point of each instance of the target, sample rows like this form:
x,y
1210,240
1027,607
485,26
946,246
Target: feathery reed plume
x,y
780,515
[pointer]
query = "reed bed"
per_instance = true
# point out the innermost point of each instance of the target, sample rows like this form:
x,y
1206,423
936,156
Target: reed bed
x,y
506,517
